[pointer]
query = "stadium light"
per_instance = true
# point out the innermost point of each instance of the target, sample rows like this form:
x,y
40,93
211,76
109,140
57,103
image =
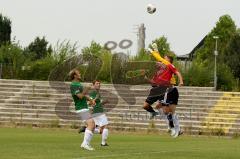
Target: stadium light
x,y
215,62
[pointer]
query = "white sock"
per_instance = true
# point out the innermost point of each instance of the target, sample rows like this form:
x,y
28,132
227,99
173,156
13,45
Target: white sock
x,y
104,136
163,116
87,137
176,121
96,131
167,122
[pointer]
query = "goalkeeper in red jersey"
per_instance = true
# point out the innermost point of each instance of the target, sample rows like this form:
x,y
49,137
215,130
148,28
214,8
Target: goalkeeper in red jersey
x,y
164,91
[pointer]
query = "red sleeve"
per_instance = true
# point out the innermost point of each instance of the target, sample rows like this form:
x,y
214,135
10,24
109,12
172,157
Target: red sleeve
x,y
172,68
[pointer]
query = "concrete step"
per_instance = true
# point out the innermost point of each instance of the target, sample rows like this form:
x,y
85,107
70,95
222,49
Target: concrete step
x,y
40,95
12,90
137,100
68,122
198,109
104,95
3,97
121,127
122,92
52,105
33,117
139,116
115,122
46,83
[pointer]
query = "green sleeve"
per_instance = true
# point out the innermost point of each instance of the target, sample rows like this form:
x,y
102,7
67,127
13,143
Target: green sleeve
x,y
75,89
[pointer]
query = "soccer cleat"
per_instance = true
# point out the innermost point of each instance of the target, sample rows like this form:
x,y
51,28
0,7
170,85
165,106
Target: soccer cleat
x,y
104,144
173,132
153,114
82,129
178,133
87,147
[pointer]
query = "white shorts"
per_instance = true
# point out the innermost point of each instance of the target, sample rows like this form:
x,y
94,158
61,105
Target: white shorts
x,y
100,119
84,114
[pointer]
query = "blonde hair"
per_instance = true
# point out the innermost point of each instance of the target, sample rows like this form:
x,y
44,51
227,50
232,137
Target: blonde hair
x,y
72,73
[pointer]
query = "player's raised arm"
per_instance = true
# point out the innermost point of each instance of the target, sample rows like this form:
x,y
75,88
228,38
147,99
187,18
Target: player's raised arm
x,y
156,54
180,78
80,94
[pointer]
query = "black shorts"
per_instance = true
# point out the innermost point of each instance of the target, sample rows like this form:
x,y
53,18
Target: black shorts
x,y
172,96
158,93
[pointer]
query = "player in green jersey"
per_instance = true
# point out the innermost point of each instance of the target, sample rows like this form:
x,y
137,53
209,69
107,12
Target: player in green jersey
x,y
98,114
80,98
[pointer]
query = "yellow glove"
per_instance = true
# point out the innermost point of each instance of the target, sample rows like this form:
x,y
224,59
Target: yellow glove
x,y
156,54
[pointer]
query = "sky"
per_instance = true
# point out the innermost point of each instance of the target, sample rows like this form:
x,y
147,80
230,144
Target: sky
x,y
183,22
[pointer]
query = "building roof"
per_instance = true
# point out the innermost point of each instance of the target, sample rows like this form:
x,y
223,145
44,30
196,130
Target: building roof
x,y
191,55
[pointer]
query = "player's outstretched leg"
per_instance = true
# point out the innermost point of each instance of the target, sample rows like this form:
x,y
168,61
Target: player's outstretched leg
x,y
88,135
150,109
102,122
171,124
104,136
162,114
173,117
176,125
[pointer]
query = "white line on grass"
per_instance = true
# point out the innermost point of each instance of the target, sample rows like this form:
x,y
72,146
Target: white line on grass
x,y
133,153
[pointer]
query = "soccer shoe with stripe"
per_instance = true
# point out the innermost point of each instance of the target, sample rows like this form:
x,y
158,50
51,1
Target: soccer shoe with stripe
x,y
153,114
104,144
87,147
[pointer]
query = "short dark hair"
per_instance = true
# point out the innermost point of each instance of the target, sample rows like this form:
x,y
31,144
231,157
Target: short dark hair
x,y
72,73
170,58
93,82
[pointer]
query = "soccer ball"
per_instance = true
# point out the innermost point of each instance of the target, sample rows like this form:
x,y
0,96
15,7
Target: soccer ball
x,y
151,9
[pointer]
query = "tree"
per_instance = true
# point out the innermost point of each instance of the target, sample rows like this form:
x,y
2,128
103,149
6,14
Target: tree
x,y
64,50
12,59
38,49
99,62
198,75
5,30
232,53
225,78
225,29
39,69
94,49
142,56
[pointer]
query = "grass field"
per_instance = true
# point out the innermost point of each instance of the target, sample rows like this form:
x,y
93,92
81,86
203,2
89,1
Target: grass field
x,y
28,143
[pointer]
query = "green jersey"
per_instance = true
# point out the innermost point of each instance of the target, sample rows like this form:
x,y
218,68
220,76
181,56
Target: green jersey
x,y
76,88
98,108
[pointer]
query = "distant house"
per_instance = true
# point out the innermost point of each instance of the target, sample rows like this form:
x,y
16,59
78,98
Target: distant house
x,y
186,60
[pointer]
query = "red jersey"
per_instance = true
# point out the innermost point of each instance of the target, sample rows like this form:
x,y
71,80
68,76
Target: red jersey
x,y
164,74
